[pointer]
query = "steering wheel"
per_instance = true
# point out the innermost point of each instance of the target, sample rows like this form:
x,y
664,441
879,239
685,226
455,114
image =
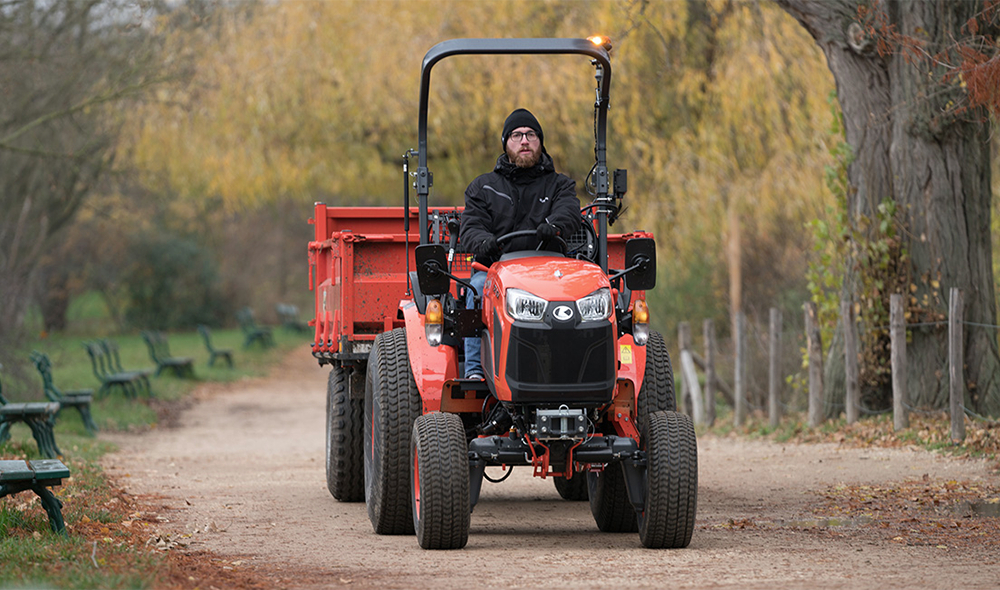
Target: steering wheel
x,y
523,233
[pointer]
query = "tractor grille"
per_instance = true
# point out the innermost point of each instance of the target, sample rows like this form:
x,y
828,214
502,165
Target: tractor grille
x,y
560,365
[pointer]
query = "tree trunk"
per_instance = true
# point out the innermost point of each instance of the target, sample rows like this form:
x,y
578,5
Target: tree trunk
x,y
909,146
54,300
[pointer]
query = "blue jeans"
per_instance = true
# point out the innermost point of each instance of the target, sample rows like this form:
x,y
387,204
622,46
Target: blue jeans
x,y
473,346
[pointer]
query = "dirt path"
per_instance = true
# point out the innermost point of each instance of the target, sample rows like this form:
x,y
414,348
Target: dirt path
x,y
243,475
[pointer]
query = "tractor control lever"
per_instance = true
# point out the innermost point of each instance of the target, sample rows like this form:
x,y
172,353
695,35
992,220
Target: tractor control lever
x,y
453,227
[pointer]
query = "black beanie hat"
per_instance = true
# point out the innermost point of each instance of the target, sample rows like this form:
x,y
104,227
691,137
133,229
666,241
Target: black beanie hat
x,y
521,118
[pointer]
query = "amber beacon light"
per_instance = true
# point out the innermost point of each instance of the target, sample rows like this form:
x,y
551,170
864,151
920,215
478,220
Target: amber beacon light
x,y
601,41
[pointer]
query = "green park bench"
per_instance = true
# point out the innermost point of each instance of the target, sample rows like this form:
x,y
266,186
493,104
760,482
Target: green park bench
x,y
159,351
106,365
213,352
253,332
36,475
79,399
288,315
39,416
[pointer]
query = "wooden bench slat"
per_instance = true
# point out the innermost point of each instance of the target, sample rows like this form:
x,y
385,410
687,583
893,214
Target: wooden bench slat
x,y
15,471
49,469
29,408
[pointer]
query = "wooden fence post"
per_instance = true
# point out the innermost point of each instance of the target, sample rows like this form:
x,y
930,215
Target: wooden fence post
x,y
815,346
739,389
956,372
708,327
852,399
684,394
897,340
773,376
690,375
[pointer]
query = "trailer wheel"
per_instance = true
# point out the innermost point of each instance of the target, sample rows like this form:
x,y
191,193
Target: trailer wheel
x,y
657,391
345,469
439,481
609,501
392,403
667,520
574,489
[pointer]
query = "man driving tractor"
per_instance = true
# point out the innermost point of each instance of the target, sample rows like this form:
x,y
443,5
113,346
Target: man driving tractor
x,y
523,192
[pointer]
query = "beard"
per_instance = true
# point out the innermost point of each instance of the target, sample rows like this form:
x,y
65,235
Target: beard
x,y
525,159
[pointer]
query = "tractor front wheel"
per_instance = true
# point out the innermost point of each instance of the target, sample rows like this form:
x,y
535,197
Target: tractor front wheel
x,y
392,403
657,390
609,501
345,470
439,481
667,520
573,489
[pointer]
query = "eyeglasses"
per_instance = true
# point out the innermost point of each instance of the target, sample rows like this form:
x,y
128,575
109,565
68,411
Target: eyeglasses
x,y
517,135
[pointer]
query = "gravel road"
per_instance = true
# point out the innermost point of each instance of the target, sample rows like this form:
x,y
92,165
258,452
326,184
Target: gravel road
x,y
241,475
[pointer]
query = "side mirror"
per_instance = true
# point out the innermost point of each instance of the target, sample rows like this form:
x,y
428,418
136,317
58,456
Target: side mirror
x,y
432,268
640,258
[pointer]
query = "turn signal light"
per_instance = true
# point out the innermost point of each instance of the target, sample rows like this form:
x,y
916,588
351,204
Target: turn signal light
x,y
640,312
640,322
434,322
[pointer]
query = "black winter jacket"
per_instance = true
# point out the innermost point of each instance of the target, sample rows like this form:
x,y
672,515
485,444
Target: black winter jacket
x,y
512,199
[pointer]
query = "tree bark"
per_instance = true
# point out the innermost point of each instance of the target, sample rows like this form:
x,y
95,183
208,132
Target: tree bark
x,y
911,147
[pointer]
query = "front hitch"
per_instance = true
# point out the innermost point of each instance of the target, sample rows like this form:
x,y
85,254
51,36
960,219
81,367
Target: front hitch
x,y
596,450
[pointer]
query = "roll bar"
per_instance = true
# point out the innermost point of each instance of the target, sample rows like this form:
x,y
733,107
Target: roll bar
x,y
512,47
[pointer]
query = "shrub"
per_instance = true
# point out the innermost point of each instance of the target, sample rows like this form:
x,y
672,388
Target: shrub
x,y
171,282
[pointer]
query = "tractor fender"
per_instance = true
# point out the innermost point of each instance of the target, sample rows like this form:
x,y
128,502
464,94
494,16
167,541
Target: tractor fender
x,y
631,362
432,366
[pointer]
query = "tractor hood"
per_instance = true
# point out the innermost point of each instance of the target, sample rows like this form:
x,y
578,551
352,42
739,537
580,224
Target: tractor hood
x,y
553,278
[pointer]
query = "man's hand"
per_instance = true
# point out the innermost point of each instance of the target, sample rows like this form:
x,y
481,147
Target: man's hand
x,y
546,232
488,248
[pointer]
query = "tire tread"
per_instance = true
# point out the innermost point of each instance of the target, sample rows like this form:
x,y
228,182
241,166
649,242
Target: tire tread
x,y
391,385
672,476
345,470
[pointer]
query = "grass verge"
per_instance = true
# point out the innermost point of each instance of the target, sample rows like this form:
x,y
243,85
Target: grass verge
x,y
109,542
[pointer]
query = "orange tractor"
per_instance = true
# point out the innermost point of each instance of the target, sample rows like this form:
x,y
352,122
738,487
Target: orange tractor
x,y
577,387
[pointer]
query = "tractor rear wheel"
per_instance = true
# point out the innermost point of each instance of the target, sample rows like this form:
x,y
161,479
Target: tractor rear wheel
x,y
345,469
439,481
667,520
573,489
657,391
392,403
609,501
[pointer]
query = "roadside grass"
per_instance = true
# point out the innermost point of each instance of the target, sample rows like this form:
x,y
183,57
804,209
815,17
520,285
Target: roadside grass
x,y
108,541
927,430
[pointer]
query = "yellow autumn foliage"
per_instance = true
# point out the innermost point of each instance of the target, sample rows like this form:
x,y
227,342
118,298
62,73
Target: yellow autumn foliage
x,y
715,106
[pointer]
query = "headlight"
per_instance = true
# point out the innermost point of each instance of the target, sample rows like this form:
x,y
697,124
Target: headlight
x,y
596,306
522,305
